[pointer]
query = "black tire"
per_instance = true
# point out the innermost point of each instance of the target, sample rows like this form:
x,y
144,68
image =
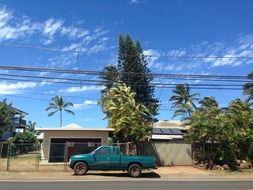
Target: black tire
x,y
134,170
80,168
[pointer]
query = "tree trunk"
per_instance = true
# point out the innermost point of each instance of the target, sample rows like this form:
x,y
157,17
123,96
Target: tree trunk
x,y
60,118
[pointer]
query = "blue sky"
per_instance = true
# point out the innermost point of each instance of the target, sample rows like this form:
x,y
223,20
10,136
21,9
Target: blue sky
x,y
164,28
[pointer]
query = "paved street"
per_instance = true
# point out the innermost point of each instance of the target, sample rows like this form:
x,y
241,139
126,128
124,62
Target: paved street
x,y
125,185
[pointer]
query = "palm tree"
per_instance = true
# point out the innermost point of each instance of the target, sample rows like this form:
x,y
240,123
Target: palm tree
x,y
248,88
183,101
58,104
31,126
208,102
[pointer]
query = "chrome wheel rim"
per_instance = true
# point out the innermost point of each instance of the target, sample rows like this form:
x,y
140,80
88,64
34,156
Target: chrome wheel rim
x,y
80,169
135,171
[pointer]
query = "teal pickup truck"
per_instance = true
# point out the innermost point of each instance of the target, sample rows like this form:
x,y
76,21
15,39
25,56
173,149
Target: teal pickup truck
x,y
110,158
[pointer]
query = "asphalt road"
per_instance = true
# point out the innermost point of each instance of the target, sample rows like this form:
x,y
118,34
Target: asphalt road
x,y
125,185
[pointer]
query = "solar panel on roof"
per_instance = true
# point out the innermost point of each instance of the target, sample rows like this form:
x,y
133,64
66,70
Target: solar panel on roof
x,y
157,131
176,131
166,131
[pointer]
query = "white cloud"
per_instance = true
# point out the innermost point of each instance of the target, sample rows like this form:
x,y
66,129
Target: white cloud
x,y
74,32
81,89
176,53
15,88
48,31
152,56
13,28
51,26
85,104
50,82
208,55
134,1
229,52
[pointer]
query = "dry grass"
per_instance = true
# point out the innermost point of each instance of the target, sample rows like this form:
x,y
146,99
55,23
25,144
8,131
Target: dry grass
x,y
3,164
30,162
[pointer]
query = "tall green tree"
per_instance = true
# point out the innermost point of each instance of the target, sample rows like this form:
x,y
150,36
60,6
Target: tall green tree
x,y
183,101
134,72
126,116
248,88
6,114
110,77
59,105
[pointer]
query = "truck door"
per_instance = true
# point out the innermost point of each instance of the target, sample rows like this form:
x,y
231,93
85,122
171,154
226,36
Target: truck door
x,y
115,158
102,159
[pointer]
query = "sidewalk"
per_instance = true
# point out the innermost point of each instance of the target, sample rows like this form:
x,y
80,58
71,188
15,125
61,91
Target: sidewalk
x,y
177,173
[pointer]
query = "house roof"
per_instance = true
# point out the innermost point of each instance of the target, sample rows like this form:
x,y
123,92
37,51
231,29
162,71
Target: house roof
x,y
74,127
18,110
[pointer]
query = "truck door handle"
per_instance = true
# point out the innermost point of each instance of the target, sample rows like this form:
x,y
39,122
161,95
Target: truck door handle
x,y
107,158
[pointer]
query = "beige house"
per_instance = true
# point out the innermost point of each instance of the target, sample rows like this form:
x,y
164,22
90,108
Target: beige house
x,y
80,140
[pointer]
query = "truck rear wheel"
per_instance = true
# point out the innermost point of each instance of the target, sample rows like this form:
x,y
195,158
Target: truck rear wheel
x,y
134,170
80,168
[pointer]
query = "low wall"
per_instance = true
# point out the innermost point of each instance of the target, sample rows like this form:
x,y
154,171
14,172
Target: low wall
x,y
173,153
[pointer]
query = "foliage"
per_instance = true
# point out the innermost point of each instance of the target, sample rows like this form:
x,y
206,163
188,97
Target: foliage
x,y
134,72
240,125
126,116
132,69
207,128
248,88
183,101
222,135
23,137
31,126
110,77
6,114
58,104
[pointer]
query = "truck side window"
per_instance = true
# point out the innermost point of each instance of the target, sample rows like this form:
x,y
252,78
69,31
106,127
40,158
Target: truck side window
x,y
115,150
104,151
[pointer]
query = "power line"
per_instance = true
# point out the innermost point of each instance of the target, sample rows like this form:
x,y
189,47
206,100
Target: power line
x,y
61,50
100,83
64,79
89,72
170,86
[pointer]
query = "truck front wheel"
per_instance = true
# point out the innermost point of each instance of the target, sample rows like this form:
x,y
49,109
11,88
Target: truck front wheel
x,y
80,168
134,170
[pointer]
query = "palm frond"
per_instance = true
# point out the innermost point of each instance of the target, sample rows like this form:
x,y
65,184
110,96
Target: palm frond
x,y
69,111
51,107
67,104
52,113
